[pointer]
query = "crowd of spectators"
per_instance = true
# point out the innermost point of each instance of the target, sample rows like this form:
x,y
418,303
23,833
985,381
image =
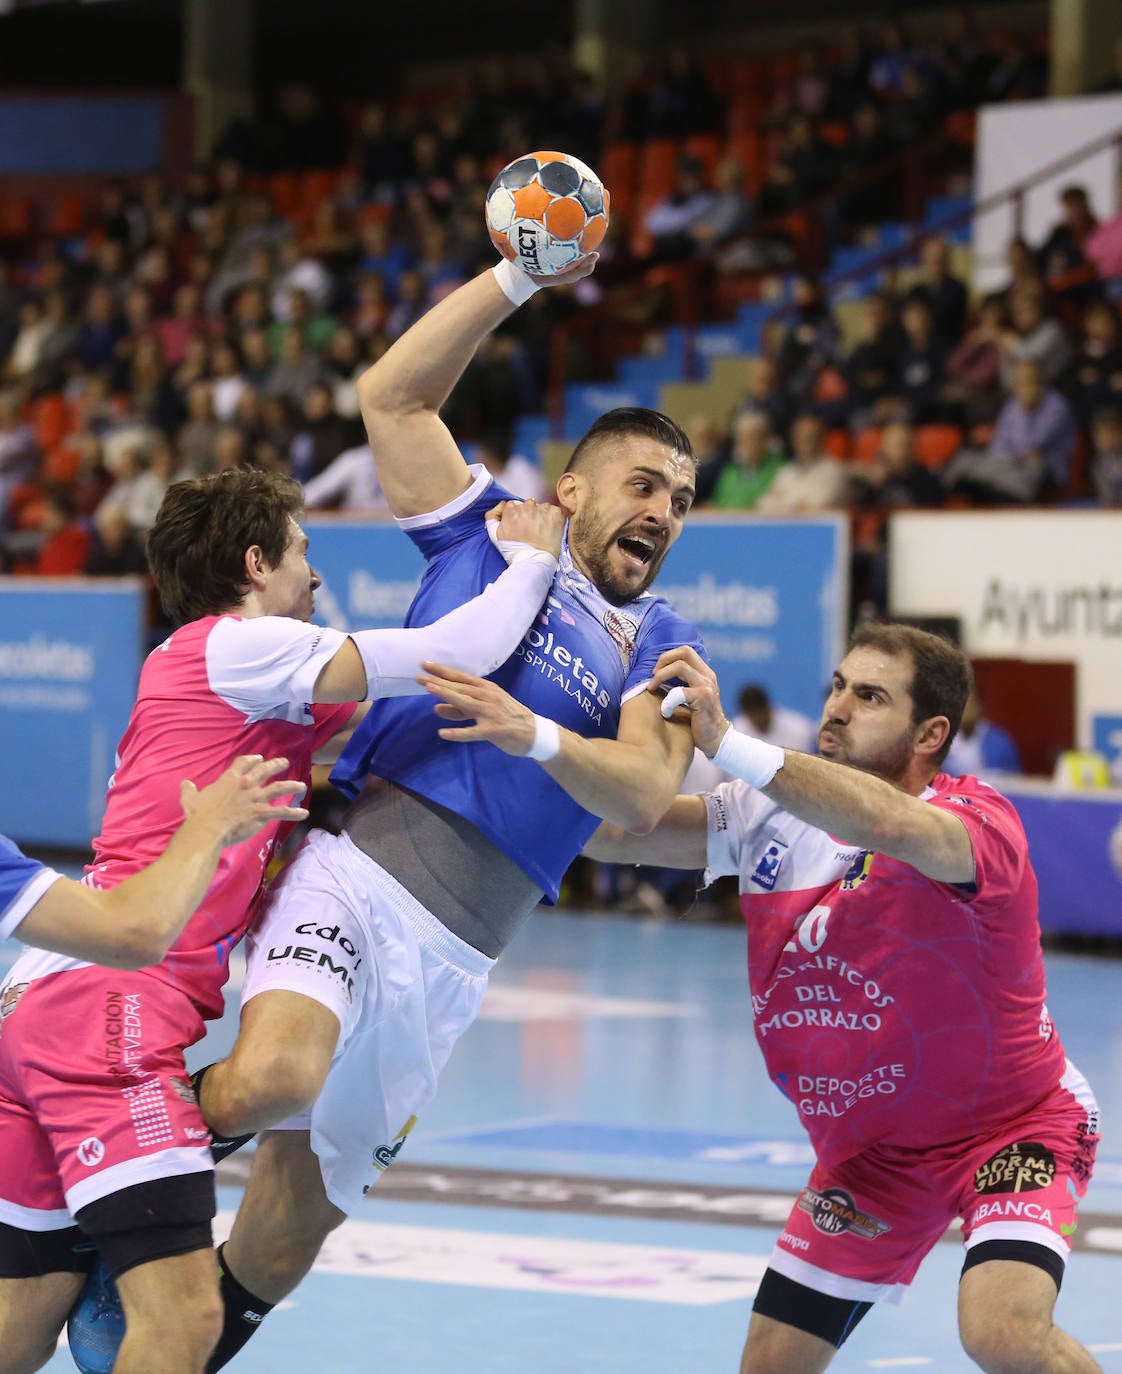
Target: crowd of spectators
x,y
185,328
1016,401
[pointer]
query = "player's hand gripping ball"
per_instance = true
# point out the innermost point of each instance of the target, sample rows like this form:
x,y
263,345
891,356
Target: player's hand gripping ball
x,y
546,211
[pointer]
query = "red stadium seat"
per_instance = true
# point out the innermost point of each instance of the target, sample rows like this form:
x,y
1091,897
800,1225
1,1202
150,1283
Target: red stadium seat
x,y
619,170
658,165
746,149
936,443
836,443
16,217
707,149
67,217
316,186
866,445
52,420
285,187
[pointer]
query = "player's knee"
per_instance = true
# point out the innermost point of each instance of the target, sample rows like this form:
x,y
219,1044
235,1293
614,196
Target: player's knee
x,y
1004,1342
257,1092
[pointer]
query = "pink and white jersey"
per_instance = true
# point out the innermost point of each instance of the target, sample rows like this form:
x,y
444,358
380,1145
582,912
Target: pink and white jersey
x,y
890,1007
218,687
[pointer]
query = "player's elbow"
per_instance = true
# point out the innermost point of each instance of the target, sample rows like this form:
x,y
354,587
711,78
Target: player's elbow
x,y
130,941
644,812
381,396
607,844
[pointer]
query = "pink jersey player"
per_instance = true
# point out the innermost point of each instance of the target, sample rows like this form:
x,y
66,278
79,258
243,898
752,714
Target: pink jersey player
x,y
898,997
98,1119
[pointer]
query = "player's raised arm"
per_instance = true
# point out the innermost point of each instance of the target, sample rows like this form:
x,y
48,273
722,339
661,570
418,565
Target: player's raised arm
x,y
419,466
477,636
134,924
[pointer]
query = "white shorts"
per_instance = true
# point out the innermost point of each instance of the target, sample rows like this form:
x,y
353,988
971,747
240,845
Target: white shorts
x,y
340,929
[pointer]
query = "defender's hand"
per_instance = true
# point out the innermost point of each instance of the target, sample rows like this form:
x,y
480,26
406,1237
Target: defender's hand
x,y
496,716
701,695
527,523
243,799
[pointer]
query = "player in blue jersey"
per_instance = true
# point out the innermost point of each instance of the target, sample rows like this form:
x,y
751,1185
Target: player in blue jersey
x,y
133,924
372,956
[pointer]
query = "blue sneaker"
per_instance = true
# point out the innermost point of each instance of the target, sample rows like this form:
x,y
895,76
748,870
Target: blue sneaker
x,y
96,1325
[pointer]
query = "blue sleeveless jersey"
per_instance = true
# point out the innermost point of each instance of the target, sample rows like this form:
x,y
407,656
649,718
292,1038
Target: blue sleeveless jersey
x,y
578,663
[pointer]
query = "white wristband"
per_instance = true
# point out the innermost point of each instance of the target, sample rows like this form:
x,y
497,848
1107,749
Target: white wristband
x,y
547,740
516,285
753,760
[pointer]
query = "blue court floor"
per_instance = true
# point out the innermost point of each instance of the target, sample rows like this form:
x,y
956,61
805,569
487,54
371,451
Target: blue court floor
x,y
600,1180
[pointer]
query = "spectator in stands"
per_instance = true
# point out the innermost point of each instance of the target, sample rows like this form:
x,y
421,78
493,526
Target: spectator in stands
x,y
137,488
753,460
919,377
972,393
758,716
349,482
114,549
871,369
19,453
226,382
876,197
306,132
670,220
231,449
517,473
1023,271
380,156
381,253
1094,376
943,292
316,324
412,302
1029,453
810,342
1106,456
9,311
893,479
1021,72
299,272
62,552
195,438
258,363
298,368
766,396
679,101
1063,265
343,364
811,481
31,329
729,212
321,435
801,169
185,322
981,747
1033,336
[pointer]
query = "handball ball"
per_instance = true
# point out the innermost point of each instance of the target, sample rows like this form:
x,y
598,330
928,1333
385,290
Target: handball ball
x,y
546,211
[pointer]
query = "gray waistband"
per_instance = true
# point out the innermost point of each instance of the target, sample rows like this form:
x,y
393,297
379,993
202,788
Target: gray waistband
x,y
444,862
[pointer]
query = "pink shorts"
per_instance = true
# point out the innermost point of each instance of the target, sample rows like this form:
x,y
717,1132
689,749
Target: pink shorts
x,y
94,1093
860,1228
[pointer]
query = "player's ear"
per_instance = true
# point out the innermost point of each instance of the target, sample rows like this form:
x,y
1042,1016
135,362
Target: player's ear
x,y
568,486
256,565
932,735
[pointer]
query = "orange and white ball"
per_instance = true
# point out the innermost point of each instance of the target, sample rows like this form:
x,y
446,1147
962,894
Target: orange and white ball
x,y
546,211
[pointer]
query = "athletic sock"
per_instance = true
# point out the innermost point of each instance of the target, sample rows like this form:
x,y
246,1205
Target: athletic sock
x,y
242,1314
220,1145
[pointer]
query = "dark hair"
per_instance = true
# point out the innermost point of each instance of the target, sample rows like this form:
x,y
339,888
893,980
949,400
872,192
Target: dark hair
x,y
753,697
941,672
196,549
626,420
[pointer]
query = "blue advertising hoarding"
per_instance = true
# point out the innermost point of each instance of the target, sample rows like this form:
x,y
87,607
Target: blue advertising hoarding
x,y
70,655
1075,844
770,597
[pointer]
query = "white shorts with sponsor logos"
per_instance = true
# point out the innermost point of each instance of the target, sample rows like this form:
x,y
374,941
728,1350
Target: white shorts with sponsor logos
x,y
340,929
